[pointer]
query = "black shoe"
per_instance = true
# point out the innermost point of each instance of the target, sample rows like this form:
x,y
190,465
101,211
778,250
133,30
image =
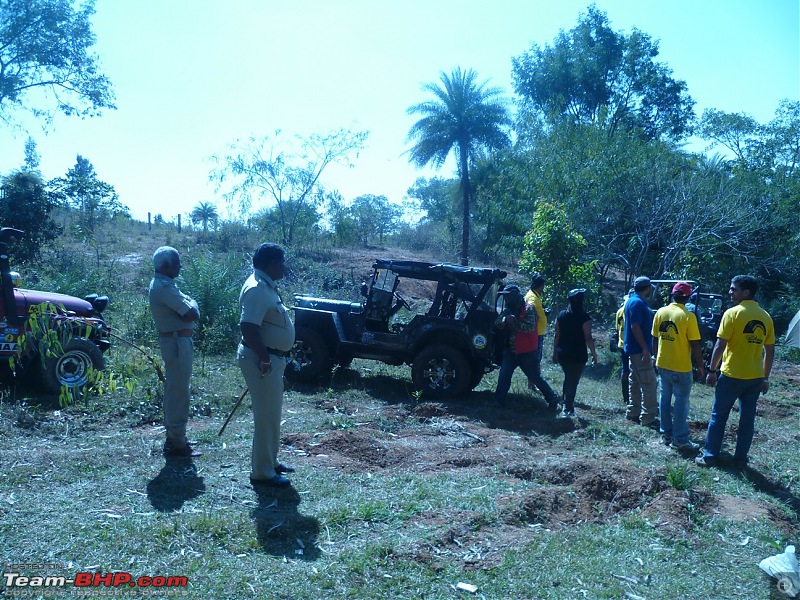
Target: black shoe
x,y
277,481
280,468
654,425
180,452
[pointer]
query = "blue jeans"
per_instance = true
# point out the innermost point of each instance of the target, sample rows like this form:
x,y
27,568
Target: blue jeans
x,y
728,390
529,365
673,420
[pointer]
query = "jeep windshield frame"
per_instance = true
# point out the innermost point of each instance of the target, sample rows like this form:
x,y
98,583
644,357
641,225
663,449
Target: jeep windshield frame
x,y
475,287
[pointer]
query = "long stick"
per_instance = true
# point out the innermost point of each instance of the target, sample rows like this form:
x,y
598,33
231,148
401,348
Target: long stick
x,y
156,366
235,406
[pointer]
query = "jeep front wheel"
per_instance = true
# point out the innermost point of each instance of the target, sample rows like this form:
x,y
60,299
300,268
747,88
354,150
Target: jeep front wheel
x,y
72,368
441,371
309,359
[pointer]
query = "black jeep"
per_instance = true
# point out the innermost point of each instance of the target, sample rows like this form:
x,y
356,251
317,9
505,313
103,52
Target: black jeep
x,y
55,336
449,347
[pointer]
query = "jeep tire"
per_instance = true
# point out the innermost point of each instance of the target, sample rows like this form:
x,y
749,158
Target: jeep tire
x,y
310,358
72,368
441,371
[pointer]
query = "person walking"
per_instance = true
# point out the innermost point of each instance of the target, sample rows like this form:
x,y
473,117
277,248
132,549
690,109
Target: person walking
x,y
746,348
534,298
267,336
642,402
174,314
518,321
573,335
678,339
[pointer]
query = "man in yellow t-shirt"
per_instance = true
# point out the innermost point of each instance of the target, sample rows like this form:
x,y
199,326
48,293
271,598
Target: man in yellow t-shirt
x,y
619,323
534,298
678,337
746,348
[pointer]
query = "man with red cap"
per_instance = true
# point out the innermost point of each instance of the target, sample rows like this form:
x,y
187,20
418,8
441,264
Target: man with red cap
x,y
678,336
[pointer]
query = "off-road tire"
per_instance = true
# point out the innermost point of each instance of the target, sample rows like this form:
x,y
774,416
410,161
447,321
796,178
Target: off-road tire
x,y
72,368
310,358
441,371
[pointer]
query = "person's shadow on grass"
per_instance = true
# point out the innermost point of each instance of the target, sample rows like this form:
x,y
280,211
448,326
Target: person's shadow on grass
x,y
176,483
280,528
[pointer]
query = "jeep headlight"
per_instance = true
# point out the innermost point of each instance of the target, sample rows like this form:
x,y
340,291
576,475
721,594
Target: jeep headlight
x,y
16,280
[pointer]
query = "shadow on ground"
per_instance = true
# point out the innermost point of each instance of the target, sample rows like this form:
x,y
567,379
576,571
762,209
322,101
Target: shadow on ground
x,y
176,483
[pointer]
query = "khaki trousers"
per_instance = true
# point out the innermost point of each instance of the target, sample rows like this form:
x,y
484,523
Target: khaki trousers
x,y
266,394
177,353
643,395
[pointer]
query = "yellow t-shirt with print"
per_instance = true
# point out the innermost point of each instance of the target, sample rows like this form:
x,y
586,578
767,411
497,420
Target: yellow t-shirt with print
x,y
748,328
674,327
541,318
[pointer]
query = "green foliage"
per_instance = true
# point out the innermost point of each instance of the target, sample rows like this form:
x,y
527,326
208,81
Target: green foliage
x,y
466,117
680,478
26,204
46,47
555,250
205,213
596,76
95,200
288,178
214,282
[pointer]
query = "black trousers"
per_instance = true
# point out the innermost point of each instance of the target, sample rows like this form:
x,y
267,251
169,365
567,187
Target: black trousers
x,y
572,375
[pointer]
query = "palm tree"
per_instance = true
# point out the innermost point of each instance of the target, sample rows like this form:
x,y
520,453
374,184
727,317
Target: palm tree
x,y
465,116
203,213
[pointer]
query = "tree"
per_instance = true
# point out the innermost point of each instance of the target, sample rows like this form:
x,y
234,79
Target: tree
x,y
290,180
554,249
205,213
594,75
45,45
94,199
466,117
374,216
32,159
26,204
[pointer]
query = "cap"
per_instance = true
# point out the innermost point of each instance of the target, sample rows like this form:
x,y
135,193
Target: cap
x,y
641,282
510,289
576,292
682,288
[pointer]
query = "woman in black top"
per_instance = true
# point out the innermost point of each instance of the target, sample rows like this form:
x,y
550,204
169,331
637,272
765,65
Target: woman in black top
x,y
573,335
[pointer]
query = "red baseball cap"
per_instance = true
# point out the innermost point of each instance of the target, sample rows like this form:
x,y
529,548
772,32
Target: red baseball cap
x,y
682,289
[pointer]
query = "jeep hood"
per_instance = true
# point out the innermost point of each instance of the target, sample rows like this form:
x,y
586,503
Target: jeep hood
x,y
27,298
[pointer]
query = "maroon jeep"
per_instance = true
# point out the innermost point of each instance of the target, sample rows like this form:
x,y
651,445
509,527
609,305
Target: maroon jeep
x,y
67,339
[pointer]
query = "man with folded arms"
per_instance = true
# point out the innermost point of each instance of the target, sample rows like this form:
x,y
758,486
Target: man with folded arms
x,y
174,314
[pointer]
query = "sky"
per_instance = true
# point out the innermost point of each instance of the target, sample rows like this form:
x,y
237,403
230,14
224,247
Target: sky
x,y
192,77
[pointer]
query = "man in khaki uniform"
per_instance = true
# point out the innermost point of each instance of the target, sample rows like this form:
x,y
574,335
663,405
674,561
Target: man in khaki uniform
x,y
267,336
174,314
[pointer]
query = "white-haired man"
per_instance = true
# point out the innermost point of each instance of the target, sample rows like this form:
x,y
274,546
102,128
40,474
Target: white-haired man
x,y
174,314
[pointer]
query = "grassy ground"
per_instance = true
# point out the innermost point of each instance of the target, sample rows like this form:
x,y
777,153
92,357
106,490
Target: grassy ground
x,y
395,497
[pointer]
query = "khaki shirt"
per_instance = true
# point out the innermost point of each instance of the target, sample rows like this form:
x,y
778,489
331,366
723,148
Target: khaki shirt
x,y
262,305
168,304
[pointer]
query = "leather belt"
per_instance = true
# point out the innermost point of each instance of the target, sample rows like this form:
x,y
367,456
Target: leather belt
x,y
177,333
278,353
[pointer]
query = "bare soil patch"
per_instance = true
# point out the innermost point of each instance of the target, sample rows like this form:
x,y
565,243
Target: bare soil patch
x,y
568,490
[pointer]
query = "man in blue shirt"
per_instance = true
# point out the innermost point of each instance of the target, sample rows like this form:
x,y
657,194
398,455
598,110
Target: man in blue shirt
x,y
642,398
